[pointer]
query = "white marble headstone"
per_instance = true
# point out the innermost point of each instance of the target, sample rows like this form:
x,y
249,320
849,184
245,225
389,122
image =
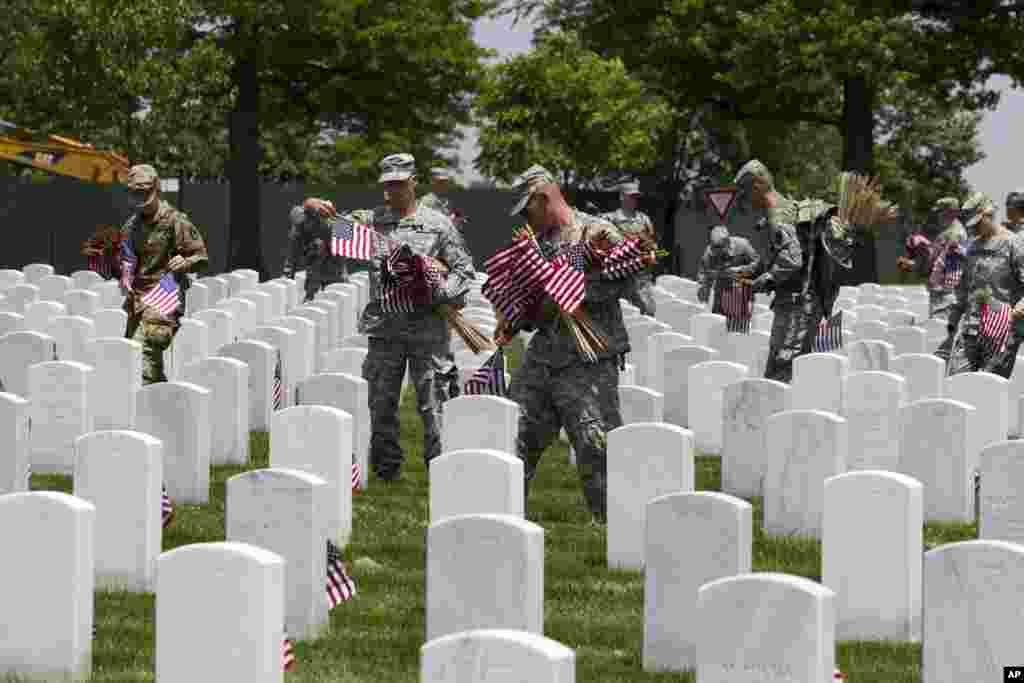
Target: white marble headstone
x,y
191,344
872,404
285,341
876,577
706,383
818,382
657,345
935,441
1001,504
906,339
74,334
678,314
11,322
121,473
178,413
38,314
924,374
305,342
110,322
220,614
803,448
677,366
14,443
228,382
708,329
746,407
117,376
20,296
645,460
476,482
719,542
990,395
480,422
496,655
53,287
35,272
59,396
85,279
640,404
349,394
285,512
484,571
82,302
18,351
261,358
870,354
47,587
220,328
344,359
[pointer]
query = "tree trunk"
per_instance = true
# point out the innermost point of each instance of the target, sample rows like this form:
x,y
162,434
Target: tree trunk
x,y
859,156
244,234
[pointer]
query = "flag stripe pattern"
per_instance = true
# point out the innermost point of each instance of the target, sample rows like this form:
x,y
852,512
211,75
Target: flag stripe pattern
x,y
340,586
355,477
287,654
101,266
128,262
352,240
166,509
490,378
952,268
995,326
829,336
163,296
624,260
737,307
278,385
515,277
408,281
569,281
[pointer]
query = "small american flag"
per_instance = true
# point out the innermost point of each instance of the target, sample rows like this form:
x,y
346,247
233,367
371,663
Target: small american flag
x,y
490,378
512,288
995,326
287,654
624,260
355,477
953,268
394,298
340,586
278,386
101,265
829,336
128,263
569,282
352,240
166,509
163,296
738,307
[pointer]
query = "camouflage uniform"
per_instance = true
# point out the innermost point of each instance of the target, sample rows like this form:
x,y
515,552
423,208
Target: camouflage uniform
x,y
554,385
421,339
154,243
801,298
940,297
636,223
309,242
719,264
997,264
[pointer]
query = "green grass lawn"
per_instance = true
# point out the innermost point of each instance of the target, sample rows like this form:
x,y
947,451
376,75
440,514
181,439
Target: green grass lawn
x,y
376,637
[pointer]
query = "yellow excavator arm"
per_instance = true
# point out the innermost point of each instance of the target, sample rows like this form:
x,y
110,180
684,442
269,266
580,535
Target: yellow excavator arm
x,y
62,156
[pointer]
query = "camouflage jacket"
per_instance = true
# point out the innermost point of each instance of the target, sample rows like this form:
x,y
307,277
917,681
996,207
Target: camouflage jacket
x,y
153,243
308,248
996,264
553,345
434,201
630,222
931,262
716,267
428,233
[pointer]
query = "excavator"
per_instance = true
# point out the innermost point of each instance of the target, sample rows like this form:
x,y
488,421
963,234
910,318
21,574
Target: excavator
x,y
61,156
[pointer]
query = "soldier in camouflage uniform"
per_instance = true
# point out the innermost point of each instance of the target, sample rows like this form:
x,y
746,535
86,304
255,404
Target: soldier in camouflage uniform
x,y
436,199
931,262
1015,211
631,221
162,240
555,386
804,291
993,266
309,248
725,258
420,339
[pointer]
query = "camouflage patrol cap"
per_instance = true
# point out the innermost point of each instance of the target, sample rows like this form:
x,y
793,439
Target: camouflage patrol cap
x,y
142,178
527,183
976,206
753,169
719,236
629,188
947,204
1015,200
397,167
440,172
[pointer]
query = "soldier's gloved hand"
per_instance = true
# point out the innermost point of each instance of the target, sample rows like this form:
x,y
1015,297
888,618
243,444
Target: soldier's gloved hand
x,y
761,283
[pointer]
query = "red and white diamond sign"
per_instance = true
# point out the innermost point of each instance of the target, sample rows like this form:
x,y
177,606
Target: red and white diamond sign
x,y
721,199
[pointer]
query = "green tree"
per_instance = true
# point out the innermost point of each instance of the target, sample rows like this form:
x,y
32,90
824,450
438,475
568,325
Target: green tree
x,y
565,107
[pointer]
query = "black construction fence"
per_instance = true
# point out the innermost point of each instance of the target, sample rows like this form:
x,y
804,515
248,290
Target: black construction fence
x,y
46,222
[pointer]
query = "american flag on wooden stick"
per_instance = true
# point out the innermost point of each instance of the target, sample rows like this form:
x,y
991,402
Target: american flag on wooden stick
x,y
829,335
351,240
624,260
515,278
128,263
287,654
166,509
568,284
101,266
278,384
994,331
163,296
953,267
340,586
737,307
355,476
489,378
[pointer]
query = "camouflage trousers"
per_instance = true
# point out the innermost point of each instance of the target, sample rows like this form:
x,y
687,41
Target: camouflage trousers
x,y
582,398
639,293
155,336
793,330
939,302
971,356
384,369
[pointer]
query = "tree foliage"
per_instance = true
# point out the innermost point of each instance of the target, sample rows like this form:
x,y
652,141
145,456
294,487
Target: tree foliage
x,y
565,107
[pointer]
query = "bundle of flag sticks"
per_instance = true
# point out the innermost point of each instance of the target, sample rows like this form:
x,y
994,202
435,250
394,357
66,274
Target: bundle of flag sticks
x,y
860,201
408,280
